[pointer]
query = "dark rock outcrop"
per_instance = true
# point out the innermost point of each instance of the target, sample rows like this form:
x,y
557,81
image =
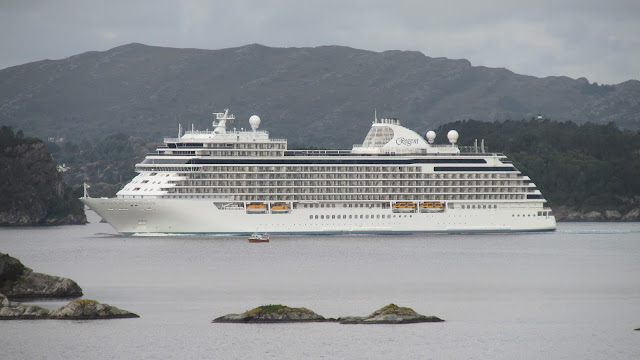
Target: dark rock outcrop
x,y
272,314
74,310
32,191
390,314
19,281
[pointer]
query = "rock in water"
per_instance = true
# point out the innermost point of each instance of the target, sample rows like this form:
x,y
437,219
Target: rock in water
x,y
89,309
75,310
272,314
10,310
390,314
18,281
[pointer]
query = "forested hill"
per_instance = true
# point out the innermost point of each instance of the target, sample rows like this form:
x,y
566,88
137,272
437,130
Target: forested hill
x,y
318,96
585,167
32,191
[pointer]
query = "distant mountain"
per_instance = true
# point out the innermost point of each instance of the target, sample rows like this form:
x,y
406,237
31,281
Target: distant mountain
x,y
314,96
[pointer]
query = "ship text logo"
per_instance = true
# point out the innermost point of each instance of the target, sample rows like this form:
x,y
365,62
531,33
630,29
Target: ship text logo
x,y
406,142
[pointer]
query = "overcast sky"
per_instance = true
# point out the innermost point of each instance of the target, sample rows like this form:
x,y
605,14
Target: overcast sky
x,y
596,39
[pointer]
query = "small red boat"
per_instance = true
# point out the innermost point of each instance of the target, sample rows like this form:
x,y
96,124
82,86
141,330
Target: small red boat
x,y
259,238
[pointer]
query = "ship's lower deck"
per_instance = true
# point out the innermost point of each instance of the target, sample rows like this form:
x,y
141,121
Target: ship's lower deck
x,y
201,216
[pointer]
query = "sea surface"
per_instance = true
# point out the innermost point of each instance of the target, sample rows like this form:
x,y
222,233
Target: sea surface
x,y
569,294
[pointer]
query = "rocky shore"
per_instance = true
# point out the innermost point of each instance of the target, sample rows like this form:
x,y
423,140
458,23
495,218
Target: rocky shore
x,y
390,314
19,281
563,213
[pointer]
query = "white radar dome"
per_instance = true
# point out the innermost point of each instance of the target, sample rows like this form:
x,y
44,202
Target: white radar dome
x,y
452,136
254,121
431,136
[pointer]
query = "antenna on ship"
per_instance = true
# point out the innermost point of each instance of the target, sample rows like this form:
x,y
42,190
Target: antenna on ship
x,y
431,136
375,115
179,131
453,137
254,121
86,193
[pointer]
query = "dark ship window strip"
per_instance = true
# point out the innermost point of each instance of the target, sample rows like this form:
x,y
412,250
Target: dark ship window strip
x,y
335,161
474,168
534,197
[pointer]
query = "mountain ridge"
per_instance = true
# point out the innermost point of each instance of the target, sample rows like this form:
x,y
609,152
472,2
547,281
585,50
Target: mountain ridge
x,y
322,95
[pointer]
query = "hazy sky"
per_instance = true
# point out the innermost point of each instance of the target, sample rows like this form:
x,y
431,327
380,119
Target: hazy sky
x,y
596,39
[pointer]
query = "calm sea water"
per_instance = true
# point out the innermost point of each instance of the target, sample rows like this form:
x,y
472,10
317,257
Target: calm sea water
x,y
570,294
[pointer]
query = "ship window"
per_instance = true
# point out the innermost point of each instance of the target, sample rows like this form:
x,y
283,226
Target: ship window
x,y
361,216
310,216
333,216
321,216
316,216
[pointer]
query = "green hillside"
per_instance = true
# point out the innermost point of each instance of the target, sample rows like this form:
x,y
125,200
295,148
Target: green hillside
x,y
588,167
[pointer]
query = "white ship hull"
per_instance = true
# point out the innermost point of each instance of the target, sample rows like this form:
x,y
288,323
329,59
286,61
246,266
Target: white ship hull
x,y
178,216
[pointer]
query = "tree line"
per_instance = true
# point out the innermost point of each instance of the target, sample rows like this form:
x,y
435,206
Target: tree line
x,y
589,166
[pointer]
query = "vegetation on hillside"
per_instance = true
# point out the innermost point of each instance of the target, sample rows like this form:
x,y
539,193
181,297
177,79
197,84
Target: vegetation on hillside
x,y
106,165
589,166
31,189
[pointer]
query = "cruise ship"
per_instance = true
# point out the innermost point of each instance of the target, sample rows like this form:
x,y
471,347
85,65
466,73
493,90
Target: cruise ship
x,y
237,181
